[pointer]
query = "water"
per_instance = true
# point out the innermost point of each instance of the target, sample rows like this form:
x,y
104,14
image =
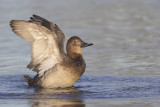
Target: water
x,y
122,66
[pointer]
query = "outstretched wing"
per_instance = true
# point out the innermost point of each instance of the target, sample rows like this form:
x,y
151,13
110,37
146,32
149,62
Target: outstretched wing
x,y
44,47
53,28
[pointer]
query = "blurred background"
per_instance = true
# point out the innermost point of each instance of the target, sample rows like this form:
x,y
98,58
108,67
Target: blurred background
x,y
125,34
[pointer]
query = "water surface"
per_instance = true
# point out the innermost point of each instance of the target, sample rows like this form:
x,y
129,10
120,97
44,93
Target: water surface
x,y
123,65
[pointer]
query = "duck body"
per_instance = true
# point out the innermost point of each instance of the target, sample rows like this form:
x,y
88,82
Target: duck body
x,y
54,67
64,74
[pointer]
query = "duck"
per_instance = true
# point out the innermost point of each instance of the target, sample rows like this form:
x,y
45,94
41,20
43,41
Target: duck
x,y
55,68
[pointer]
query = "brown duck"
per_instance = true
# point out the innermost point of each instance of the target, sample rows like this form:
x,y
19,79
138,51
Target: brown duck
x,y
54,67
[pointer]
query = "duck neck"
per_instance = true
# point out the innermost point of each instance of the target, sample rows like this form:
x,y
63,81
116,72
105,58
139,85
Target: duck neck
x,y
75,56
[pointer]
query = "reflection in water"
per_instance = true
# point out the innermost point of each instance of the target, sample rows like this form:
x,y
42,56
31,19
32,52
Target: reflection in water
x,y
57,97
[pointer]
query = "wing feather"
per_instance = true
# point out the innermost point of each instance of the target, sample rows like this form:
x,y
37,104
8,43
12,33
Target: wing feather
x,y
53,28
44,47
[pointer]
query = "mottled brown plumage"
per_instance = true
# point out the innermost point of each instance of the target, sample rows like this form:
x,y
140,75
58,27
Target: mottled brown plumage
x,y
54,67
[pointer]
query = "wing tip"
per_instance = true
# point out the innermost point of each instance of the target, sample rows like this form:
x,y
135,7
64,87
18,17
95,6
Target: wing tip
x,y
34,15
12,23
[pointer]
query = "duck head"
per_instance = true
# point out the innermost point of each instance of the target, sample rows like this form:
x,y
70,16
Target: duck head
x,y
75,46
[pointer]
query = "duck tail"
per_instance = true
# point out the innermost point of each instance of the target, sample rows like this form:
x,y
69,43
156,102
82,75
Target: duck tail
x,y
28,80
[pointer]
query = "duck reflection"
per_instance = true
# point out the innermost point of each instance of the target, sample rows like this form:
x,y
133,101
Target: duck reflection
x,y
68,97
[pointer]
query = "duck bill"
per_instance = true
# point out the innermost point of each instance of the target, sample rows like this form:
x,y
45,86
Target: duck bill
x,y
86,44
